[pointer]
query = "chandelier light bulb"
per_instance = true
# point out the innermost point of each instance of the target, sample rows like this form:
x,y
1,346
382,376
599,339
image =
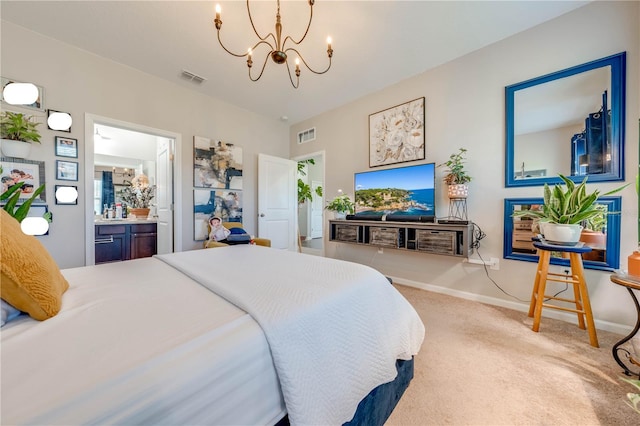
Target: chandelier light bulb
x,y
66,194
59,121
20,93
34,225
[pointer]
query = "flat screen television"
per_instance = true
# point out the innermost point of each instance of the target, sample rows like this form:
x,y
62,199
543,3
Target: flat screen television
x,y
399,191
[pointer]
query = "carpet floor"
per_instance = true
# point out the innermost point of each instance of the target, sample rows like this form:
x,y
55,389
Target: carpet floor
x,y
483,365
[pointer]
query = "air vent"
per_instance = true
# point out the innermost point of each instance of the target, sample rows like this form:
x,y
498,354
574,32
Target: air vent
x,y
192,77
307,135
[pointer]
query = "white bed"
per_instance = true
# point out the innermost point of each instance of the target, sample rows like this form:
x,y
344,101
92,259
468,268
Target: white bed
x,y
157,341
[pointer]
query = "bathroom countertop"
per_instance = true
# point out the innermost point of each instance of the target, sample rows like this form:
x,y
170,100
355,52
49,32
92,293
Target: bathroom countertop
x,y
124,221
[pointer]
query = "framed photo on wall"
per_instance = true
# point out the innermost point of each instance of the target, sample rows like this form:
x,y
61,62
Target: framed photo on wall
x,y
68,203
37,105
66,170
66,147
26,172
396,134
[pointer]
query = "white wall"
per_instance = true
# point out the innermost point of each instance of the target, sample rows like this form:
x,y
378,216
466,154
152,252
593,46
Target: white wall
x,y
82,83
465,108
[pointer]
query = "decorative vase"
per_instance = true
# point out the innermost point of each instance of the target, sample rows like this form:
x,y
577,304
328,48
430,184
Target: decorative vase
x,y
460,190
16,149
633,264
140,213
561,233
340,215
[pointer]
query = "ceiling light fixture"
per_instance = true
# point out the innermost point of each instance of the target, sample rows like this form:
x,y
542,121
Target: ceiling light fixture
x,y
97,135
278,51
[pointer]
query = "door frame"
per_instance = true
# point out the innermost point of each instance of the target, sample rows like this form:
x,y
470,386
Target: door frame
x,y
89,121
324,185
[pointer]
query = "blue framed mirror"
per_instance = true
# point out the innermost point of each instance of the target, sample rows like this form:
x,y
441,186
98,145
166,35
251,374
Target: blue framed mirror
x,y
569,122
605,253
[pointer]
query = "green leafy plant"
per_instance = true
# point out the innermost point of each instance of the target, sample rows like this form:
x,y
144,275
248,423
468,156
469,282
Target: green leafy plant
x,y
456,174
634,398
304,189
18,127
598,222
341,203
11,197
568,204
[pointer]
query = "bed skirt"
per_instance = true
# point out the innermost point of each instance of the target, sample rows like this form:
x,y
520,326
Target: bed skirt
x,y
376,407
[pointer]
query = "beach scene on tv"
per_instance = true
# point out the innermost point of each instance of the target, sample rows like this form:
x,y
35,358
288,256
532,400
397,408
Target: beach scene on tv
x,y
399,191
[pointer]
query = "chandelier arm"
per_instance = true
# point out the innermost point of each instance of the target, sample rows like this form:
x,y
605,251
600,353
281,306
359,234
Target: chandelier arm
x,y
305,33
297,83
266,58
306,64
256,31
228,51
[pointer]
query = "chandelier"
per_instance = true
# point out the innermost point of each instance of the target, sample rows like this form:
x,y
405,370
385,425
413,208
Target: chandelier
x,y
278,50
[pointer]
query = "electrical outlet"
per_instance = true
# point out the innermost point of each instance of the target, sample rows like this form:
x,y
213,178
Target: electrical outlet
x,y
495,263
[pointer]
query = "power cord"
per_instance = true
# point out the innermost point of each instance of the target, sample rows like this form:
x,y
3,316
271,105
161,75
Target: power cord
x,y
478,235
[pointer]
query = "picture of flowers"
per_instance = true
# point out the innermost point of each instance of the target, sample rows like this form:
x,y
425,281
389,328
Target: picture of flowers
x,y
396,134
216,164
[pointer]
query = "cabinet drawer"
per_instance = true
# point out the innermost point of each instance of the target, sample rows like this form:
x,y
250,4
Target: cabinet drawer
x,y
110,229
443,242
143,227
384,237
347,233
523,225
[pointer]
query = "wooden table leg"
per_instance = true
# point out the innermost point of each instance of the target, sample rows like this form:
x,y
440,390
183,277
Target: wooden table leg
x,y
543,270
578,270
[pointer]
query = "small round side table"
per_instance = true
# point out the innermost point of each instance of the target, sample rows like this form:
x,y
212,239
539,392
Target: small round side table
x,y
631,283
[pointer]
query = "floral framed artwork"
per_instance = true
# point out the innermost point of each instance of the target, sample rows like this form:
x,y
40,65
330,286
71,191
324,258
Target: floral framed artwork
x,y
66,147
396,134
37,105
216,164
29,173
225,204
66,170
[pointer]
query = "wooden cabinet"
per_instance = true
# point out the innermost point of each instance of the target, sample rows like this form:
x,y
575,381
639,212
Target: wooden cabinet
x,y
124,241
452,240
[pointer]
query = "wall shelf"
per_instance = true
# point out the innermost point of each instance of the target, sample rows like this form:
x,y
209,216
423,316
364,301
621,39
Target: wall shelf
x,y
433,238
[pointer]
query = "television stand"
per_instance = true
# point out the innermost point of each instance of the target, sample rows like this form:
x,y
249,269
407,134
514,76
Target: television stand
x,y
434,238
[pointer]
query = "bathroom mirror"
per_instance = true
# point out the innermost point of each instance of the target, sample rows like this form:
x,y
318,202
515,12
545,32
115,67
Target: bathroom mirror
x,y
569,122
605,253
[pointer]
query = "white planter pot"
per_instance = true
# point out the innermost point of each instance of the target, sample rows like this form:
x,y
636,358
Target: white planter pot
x,y
17,149
561,233
460,190
340,215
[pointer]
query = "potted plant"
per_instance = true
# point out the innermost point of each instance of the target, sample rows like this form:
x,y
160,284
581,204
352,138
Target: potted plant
x,y
565,210
138,195
456,176
17,132
341,205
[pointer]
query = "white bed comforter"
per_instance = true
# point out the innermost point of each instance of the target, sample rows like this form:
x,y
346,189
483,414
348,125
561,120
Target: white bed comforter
x,y
335,328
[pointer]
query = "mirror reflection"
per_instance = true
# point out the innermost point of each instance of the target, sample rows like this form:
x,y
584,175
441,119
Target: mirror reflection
x,y
600,233
569,122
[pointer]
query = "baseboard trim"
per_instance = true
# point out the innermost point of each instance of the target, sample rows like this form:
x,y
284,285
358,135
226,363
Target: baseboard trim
x,y
549,313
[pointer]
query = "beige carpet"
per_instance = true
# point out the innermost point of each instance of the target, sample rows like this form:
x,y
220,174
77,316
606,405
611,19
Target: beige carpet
x,y
482,365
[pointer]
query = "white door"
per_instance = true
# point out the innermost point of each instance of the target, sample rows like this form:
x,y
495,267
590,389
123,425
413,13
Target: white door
x,y
315,213
277,201
164,194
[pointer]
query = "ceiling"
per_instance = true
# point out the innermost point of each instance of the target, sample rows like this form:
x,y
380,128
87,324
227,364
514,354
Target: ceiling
x,y
376,43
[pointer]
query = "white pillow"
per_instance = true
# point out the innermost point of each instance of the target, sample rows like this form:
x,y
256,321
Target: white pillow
x,y
8,313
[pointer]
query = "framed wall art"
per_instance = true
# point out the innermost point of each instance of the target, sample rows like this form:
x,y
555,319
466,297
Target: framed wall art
x,y
29,173
66,147
66,170
396,134
216,164
37,105
66,203
224,204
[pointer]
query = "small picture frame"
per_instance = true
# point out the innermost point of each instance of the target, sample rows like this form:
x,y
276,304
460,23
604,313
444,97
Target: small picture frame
x,y
66,170
74,202
51,111
66,147
37,105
